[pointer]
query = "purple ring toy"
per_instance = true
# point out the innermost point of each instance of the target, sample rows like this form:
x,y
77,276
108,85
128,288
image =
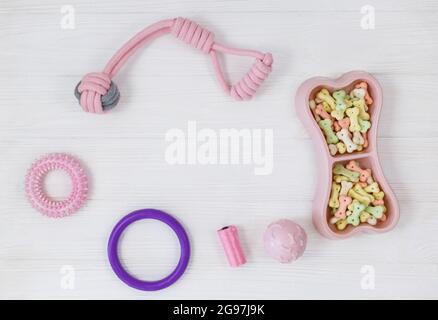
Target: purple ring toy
x,y
114,257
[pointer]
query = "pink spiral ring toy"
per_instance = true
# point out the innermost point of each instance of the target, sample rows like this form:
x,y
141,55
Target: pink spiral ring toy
x,y
97,92
35,190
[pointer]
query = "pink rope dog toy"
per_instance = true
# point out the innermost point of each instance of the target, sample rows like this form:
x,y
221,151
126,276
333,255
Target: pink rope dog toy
x,y
97,92
35,191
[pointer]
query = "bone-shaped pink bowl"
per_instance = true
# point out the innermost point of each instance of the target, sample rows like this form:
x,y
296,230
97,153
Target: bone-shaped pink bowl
x,y
368,158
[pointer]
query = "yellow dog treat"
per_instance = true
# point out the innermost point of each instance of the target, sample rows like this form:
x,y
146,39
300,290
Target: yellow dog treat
x,y
372,188
359,197
324,96
360,104
341,224
334,198
353,114
379,195
341,147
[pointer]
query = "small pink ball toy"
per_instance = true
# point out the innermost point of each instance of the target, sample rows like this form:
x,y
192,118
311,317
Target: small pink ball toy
x,y
285,240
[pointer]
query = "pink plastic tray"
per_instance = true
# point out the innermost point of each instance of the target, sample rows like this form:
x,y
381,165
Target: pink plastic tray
x,y
367,158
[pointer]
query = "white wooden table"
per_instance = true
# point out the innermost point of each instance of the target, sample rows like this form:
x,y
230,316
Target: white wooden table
x,y
167,85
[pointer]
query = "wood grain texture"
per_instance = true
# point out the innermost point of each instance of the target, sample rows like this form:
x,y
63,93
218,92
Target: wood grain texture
x,y
168,84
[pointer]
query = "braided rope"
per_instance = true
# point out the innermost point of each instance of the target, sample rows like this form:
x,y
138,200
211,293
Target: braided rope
x,y
96,92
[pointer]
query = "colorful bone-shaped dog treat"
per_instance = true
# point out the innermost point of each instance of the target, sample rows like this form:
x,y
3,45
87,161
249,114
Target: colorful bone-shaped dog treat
x,y
333,149
337,114
326,106
356,208
341,147
344,123
357,138
339,169
344,136
379,195
359,197
372,221
326,126
348,101
320,111
341,224
359,194
362,184
324,96
368,218
339,97
312,106
378,202
344,202
353,114
354,219
364,216
358,93
365,139
364,174
363,85
365,125
333,220
372,188
376,212
360,190
359,204
334,197
361,105
340,105
345,187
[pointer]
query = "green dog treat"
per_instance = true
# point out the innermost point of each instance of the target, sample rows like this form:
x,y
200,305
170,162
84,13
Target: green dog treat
x,y
326,126
353,114
356,208
353,176
359,190
364,125
372,188
376,212
340,105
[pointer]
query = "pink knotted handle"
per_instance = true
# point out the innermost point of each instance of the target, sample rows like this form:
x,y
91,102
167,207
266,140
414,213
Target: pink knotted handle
x,y
96,92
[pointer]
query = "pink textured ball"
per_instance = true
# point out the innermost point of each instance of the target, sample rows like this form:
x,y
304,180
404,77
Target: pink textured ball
x,y
285,240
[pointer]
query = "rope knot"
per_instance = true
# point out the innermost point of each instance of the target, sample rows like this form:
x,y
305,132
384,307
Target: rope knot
x,y
248,85
97,93
193,34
